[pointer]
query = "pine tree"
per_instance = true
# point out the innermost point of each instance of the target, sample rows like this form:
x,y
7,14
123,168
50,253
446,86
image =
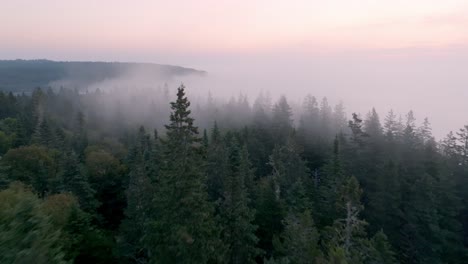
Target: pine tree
x,y
288,167
381,251
74,180
269,216
238,231
308,123
217,164
372,125
391,126
325,120
348,231
27,235
387,192
183,229
80,137
339,119
282,122
300,239
246,169
44,135
139,193
332,177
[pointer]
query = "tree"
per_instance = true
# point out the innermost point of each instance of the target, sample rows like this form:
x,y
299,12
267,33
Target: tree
x,y
381,251
391,127
65,214
139,192
33,165
300,239
44,135
238,232
325,120
424,132
348,231
183,228
288,168
74,180
80,137
339,119
269,216
27,234
357,134
217,164
282,122
330,181
105,175
372,125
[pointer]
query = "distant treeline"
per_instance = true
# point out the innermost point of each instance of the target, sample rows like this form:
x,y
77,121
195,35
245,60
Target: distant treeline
x,y
24,75
107,177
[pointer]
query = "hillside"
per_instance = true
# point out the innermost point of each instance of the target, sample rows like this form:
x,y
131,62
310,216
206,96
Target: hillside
x,y
25,75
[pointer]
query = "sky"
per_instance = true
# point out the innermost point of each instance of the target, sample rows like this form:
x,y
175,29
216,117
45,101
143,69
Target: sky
x,y
369,53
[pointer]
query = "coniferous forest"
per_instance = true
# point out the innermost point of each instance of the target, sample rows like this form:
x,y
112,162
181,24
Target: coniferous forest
x,y
88,177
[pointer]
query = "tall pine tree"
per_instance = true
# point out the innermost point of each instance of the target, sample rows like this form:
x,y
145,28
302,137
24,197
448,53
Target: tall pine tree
x,y
183,229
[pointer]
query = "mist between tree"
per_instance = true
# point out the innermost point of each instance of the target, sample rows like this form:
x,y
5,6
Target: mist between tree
x,y
120,100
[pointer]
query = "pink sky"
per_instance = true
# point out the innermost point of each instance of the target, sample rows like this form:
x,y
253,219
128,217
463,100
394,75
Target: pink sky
x,y
191,26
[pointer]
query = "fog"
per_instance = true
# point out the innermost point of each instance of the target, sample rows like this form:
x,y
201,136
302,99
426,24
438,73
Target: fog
x,y
431,82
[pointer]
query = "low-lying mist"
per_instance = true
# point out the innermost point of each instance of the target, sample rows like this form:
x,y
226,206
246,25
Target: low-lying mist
x,y
429,83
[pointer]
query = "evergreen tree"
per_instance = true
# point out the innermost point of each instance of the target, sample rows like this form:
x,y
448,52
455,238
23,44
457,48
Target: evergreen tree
x,y
288,168
80,136
381,251
325,120
183,228
27,235
74,179
332,177
391,126
269,216
141,187
282,122
217,164
300,239
238,231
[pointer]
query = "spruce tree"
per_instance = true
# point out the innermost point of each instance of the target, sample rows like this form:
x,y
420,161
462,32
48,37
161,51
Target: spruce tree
x,y
282,123
74,179
27,234
216,164
288,167
238,232
183,228
331,179
300,239
139,194
269,216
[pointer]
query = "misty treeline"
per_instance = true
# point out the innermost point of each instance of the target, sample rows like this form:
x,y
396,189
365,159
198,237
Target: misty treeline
x,y
109,178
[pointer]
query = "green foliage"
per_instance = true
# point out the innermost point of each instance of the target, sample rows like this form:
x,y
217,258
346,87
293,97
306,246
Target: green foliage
x,y
216,164
65,214
140,190
33,165
238,231
288,168
74,179
27,234
300,239
183,229
269,216
252,190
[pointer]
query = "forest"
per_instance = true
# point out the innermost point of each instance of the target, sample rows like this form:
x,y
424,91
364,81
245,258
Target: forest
x,y
163,177
20,76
